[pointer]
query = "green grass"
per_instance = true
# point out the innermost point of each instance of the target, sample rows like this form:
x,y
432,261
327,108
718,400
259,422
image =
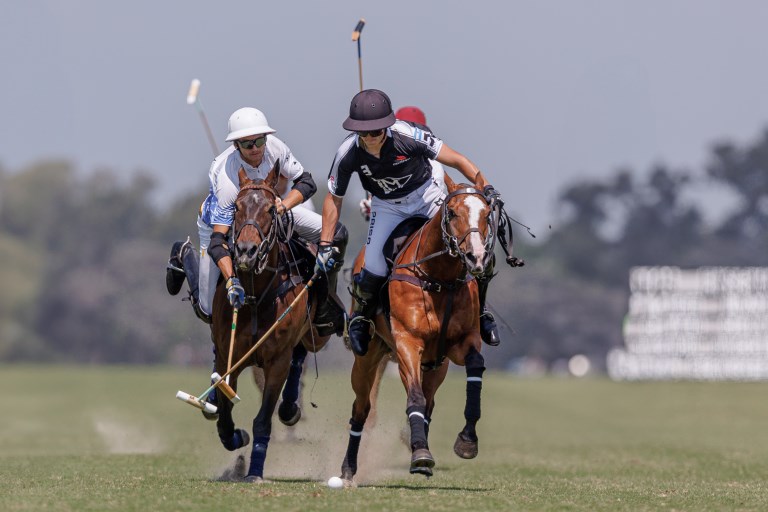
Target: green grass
x,y
104,439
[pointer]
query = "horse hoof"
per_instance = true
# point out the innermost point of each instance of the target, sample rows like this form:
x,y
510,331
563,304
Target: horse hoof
x,y
465,447
210,416
422,462
348,484
246,440
254,479
427,472
289,413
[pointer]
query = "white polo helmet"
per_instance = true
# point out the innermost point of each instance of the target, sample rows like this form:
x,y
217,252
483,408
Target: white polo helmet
x,y
247,121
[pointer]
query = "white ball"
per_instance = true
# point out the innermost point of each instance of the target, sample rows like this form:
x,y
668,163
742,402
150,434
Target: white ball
x,y
335,482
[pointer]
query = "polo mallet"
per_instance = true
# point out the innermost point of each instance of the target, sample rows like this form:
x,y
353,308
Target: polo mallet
x,y
356,37
199,401
194,99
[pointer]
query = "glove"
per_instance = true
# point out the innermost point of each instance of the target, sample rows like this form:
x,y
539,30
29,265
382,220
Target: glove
x,y
326,258
365,209
235,292
492,195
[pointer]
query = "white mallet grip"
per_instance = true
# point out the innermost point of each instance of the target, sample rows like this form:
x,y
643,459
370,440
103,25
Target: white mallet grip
x,y
193,401
194,88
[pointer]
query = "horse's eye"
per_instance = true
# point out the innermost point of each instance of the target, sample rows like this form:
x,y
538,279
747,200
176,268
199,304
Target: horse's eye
x,y
451,214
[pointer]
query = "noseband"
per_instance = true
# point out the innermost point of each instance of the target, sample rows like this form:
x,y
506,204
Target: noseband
x,y
267,240
453,243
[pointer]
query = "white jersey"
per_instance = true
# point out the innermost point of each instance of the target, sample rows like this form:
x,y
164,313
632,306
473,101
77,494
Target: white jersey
x,y
225,183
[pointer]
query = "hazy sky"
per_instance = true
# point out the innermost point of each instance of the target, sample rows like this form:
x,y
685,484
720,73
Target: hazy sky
x,y
538,94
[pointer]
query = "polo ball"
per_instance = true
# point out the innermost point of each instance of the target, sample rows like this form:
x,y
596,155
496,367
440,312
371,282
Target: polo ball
x,y
335,482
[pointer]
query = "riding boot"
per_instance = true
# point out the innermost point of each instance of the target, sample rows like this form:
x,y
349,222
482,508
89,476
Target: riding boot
x,y
365,299
329,316
184,263
174,271
489,331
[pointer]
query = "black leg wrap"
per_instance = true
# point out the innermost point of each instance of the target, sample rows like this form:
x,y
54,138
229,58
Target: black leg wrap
x,y
475,368
349,466
292,384
238,439
416,415
258,456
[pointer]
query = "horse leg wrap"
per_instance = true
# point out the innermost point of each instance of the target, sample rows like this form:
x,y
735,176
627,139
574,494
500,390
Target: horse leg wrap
x,y
292,383
416,419
238,439
258,456
349,467
475,368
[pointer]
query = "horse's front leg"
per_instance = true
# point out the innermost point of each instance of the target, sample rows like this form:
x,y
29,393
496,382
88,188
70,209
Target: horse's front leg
x,y
275,373
431,381
230,437
289,411
364,371
409,350
466,442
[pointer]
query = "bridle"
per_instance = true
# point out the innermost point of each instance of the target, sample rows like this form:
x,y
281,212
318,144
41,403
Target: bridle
x,y
453,243
267,240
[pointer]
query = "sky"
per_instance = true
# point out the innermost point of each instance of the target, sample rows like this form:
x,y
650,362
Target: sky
x,y
538,94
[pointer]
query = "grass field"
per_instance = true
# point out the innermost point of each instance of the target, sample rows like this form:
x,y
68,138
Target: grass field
x,y
78,438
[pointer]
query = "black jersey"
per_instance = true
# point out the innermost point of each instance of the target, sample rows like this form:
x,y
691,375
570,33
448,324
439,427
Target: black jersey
x,y
403,165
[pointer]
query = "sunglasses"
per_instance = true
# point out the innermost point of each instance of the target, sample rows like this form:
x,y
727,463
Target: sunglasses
x,y
374,133
248,144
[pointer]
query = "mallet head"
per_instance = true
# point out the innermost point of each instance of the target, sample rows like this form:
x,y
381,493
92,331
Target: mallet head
x,y
194,88
196,402
225,388
358,29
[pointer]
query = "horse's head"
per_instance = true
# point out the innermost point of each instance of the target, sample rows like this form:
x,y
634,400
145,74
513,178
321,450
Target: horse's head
x,y
255,225
467,226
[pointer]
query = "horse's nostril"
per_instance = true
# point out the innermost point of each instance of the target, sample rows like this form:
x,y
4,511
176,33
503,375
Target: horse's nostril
x,y
252,251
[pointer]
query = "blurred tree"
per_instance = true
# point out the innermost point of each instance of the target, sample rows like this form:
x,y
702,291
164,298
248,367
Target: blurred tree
x,y
745,170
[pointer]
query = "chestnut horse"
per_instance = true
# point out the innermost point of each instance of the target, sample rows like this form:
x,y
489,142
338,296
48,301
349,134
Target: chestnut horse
x,y
269,273
435,317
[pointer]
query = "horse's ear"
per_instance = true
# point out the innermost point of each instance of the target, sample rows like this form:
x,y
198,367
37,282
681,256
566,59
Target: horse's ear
x,y
449,183
243,177
271,179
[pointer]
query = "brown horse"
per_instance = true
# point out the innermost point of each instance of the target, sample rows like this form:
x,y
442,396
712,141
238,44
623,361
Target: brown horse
x,y
436,316
270,275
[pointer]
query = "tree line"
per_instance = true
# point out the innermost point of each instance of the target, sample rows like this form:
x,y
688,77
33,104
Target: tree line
x,y
84,259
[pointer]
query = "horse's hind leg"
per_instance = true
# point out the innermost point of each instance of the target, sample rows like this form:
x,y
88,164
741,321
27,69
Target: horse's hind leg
x,y
289,411
466,442
364,371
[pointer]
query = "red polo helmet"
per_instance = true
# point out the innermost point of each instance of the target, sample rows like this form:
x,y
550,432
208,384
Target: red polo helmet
x,y
412,114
